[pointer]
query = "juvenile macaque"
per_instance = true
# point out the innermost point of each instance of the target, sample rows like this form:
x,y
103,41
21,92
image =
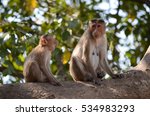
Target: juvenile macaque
x,y
89,58
36,66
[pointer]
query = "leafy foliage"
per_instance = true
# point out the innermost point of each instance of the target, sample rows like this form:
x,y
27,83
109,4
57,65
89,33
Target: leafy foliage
x,y
23,21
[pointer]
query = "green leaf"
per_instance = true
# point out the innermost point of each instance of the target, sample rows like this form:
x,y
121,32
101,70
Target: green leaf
x,y
73,24
127,31
65,35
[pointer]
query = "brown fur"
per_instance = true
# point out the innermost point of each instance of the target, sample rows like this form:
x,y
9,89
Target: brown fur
x,y
36,66
89,58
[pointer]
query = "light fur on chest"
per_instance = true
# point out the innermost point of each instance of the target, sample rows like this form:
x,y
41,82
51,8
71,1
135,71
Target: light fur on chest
x,y
94,57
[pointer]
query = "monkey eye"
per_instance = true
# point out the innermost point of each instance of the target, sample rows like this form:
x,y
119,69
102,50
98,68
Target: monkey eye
x,y
93,26
98,25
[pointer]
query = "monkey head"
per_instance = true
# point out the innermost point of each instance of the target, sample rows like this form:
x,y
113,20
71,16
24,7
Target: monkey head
x,y
97,28
48,41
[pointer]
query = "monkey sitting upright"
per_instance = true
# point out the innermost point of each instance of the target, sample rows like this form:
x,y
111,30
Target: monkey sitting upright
x,y
89,58
36,66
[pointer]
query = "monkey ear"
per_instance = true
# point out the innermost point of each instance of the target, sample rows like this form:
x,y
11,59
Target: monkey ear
x,y
43,41
89,22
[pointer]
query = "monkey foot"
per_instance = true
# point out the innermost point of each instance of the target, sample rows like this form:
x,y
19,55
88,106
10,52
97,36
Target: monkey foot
x,y
117,76
97,81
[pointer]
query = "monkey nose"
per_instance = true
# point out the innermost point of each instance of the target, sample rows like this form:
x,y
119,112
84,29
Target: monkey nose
x,y
98,25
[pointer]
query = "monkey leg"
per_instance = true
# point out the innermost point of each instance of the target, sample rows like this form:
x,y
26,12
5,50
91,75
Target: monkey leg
x,y
100,72
78,70
35,74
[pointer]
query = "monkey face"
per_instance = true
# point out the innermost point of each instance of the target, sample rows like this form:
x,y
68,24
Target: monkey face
x,y
97,28
48,41
52,44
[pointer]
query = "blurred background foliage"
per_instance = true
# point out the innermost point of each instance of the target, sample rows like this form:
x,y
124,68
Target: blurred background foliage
x,y
22,22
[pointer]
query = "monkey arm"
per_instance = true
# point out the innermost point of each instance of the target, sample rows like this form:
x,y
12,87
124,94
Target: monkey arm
x,y
44,58
105,66
86,58
50,73
47,73
103,58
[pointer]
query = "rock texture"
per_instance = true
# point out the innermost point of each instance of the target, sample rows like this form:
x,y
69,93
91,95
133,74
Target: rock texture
x,y
135,84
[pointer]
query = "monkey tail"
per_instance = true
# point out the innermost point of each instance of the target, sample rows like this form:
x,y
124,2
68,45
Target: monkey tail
x,y
86,84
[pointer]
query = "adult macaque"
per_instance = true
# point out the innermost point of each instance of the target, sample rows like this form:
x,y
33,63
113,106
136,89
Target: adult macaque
x,y
89,58
36,66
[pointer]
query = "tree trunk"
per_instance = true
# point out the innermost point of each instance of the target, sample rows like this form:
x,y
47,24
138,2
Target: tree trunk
x,y
135,84
142,69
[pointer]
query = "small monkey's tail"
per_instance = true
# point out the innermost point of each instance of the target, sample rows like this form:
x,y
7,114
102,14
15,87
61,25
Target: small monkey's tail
x,y
86,84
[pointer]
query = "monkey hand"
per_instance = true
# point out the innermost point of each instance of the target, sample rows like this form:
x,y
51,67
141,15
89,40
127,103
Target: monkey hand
x,y
117,76
101,74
